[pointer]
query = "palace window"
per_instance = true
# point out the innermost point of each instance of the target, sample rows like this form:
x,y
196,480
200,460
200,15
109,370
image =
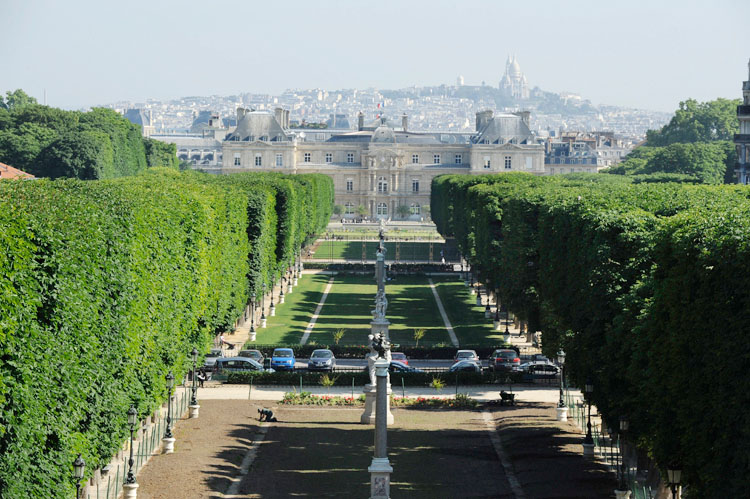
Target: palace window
x,y
237,161
487,163
415,158
415,209
307,157
349,208
415,185
329,157
279,160
382,209
258,160
350,157
507,163
459,158
382,184
349,185
436,159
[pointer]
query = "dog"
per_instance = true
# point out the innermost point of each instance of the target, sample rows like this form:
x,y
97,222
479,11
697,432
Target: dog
x,y
266,415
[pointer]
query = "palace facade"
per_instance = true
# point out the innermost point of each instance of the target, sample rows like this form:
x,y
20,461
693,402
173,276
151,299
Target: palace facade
x,y
381,170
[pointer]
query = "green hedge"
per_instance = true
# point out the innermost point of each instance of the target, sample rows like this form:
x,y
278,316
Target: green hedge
x,y
627,278
106,286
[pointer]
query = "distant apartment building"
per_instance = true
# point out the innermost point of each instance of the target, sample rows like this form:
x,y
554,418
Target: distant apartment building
x,y
575,152
379,166
742,139
141,117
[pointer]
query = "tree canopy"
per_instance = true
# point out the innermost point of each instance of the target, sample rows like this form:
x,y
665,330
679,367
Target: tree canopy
x,y
698,122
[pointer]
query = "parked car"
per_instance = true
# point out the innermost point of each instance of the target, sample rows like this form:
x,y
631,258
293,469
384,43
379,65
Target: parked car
x,y
504,359
399,367
256,355
537,357
466,366
321,359
400,357
539,369
228,365
211,357
466,355
282,359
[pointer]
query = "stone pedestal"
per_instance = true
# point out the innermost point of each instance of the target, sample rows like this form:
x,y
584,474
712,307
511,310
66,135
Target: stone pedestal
x,y
130,490
479,301
289,288
263,322
588,450
295,281
251,336
194,411
281,298
380,478
473,290
622,494
487,314
167,445
562,413
368,416
273,311
497,325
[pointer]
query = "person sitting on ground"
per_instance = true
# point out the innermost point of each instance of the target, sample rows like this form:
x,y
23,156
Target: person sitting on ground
x,y
266,415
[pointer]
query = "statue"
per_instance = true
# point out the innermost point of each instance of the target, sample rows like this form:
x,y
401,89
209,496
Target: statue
x,y
381,304
372,356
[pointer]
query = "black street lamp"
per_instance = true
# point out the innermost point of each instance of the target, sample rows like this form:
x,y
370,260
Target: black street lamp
x,y
193,399
132,420
170,383
674,476
281,293
78,466
624,426
507,320
561,361
252,313
589,389
262,307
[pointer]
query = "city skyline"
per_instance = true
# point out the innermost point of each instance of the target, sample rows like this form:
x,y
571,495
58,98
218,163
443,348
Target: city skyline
x,y
84,53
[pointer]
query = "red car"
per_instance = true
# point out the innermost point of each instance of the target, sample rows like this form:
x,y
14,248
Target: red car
x,y
401,357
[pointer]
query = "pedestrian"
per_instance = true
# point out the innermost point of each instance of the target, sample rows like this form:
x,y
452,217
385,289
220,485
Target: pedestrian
x,y
201,376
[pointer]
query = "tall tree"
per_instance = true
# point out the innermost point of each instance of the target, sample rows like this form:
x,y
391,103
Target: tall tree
x,y
698,122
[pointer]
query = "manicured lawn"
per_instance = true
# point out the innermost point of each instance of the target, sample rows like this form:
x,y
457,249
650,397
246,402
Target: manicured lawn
x,y
402,251
467,318
410,306
292,316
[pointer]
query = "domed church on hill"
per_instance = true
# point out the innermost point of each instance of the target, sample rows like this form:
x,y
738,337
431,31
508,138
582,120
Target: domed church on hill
x,y
514,84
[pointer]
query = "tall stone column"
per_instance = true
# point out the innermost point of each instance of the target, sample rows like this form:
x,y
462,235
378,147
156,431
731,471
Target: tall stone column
x,y
380,468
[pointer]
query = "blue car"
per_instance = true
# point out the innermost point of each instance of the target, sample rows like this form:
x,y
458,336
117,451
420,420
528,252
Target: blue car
x,y
283,359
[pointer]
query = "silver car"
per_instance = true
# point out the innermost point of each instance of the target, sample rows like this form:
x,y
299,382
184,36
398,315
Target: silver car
x,y
321,360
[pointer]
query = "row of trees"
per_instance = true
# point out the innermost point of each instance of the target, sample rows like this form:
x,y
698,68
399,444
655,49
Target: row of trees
x,y
53,143
106,286
645,286
694,147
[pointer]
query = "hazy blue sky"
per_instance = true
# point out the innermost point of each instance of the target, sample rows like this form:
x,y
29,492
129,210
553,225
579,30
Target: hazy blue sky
x,y
648,54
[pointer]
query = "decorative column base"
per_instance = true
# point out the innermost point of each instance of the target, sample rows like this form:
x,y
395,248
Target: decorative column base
x,y
295,281
496,325
562,413
473,290
263,323
273,311
252,336
130,490
368,416
622,494
194,411
167,445
289,288
487,314
588,450
380,478
281,299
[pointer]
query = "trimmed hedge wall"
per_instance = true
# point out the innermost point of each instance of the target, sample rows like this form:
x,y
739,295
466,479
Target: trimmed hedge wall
x,y
105,286
630,280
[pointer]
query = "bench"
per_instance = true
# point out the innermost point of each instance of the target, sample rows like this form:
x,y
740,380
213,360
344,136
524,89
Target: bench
x,y
509,398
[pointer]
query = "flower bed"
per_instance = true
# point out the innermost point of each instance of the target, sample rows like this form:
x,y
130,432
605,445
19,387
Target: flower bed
x,y
460,401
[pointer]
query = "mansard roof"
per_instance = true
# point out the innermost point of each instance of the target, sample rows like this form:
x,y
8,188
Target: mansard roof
x,y
504,128
257,125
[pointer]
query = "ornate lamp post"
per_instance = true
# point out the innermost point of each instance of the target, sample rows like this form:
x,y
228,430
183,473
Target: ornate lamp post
x,y
562,410
194,407
674,476
263,319
588,441
272,307
289,279
78,466
132,420
622,491
507,320
252,317
168,439
281,293
471,284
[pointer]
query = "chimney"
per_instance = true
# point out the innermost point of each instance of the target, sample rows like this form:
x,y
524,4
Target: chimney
x,y
360,121
404,121
483,117
240,113
524,115
278,113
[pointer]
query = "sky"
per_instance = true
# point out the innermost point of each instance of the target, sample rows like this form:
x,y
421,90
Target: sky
x,y
645,54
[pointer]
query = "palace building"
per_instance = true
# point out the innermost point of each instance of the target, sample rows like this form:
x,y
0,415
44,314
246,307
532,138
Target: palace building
x,y
379,166
742,139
